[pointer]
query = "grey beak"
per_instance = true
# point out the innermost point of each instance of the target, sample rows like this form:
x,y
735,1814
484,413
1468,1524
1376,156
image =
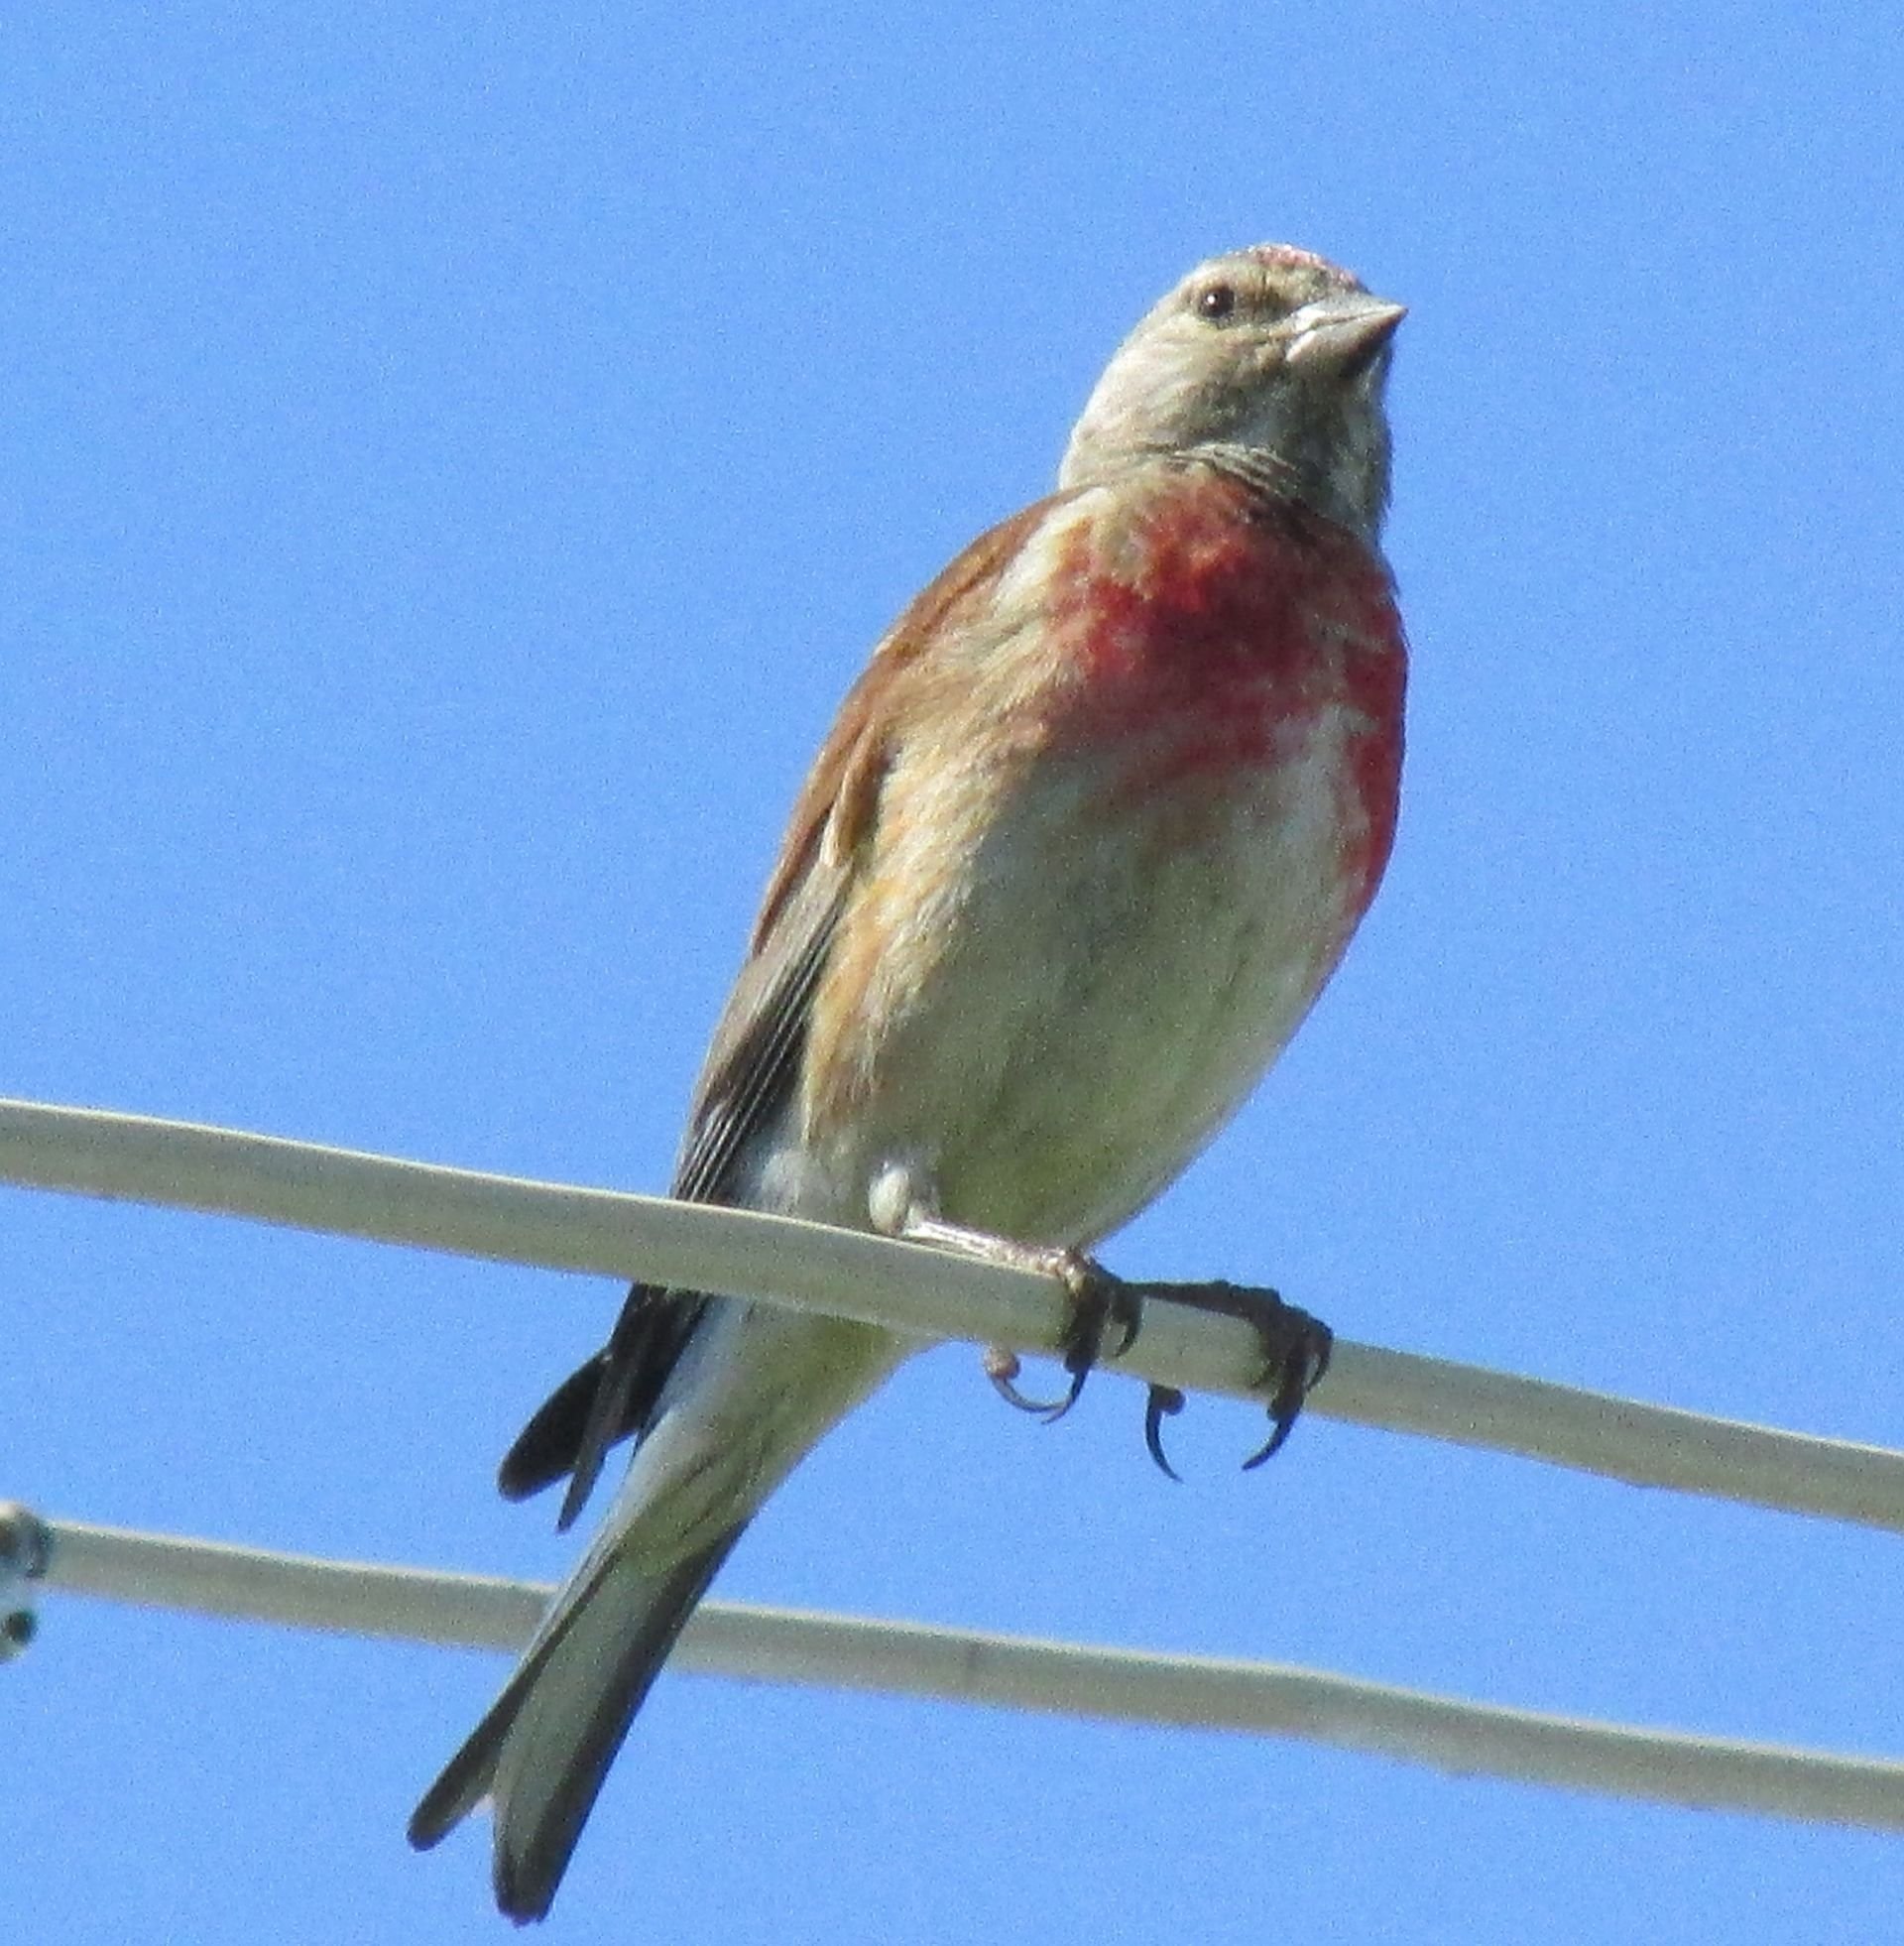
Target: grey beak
x,y
1342,333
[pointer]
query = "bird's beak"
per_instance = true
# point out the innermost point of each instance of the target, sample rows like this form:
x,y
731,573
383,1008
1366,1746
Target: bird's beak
x,y
1341,335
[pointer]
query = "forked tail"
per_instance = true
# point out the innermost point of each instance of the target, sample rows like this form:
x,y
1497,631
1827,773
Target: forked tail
x,y
542,1753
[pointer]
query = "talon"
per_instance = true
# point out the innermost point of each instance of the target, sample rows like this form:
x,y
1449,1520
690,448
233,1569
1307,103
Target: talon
x,y
1299,1348
1079,1373
1164,1401
1322,1350
1296,1350
1285,1425
1098,1300
1002,1367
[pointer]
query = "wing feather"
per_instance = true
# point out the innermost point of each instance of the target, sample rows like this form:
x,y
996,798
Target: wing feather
x,y
752,1070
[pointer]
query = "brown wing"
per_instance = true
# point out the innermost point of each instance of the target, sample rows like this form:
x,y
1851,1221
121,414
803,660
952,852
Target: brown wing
x,y
746,1080
834,812
752,1063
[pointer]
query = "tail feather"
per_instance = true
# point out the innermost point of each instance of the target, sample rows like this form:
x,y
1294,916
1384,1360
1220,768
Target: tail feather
x,y
762,1387
655,1326
542,1752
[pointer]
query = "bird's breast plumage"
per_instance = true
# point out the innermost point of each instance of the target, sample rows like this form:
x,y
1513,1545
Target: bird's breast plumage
x,y
1104,888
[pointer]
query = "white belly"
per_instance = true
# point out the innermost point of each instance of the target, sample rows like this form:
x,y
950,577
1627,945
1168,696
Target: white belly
x,y
1102,1009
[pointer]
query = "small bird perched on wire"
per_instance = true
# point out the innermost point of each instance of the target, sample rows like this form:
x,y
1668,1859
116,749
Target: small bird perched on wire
x,y
1088,837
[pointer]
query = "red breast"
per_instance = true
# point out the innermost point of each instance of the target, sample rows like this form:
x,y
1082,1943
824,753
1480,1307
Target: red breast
x,y
1207,630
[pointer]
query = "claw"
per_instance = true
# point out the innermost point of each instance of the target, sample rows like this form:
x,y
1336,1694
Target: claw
x,y
1164,1401
1002,1367
1126,1309
1295,1351
1299,1347
1284,1425
1098,1300
1053,1413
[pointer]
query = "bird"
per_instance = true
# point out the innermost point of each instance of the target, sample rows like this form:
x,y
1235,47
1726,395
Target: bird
x,y
1088,837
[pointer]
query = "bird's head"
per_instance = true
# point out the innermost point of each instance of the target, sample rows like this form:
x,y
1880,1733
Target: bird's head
x,y
1270,352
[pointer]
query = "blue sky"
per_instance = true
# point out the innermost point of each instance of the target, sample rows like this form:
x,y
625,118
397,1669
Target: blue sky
x,y
451,465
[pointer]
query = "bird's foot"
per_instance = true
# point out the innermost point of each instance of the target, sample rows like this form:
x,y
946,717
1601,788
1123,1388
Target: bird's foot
x,y
1099,1300
1295,1355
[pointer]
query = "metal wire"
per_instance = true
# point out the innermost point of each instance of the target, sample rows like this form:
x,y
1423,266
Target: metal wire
x,y
775,1645
931,1294
343,1192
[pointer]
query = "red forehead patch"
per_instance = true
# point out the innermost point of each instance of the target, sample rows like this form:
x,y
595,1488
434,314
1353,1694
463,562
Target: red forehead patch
x,y
1286,256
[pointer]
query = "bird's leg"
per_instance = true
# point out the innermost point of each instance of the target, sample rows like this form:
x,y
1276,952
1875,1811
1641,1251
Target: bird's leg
x,y
1098,1301
1295,1353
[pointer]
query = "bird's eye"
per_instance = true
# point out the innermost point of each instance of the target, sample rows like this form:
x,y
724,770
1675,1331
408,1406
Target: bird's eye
x,y
1215,301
